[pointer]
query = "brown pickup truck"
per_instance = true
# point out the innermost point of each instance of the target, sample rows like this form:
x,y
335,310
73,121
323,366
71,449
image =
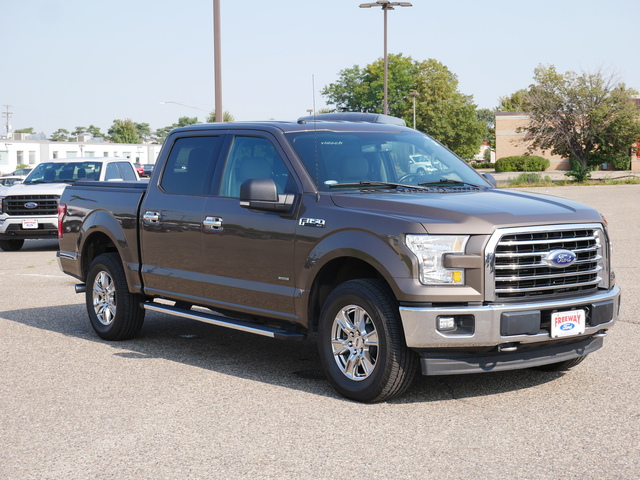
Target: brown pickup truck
x,y
326,225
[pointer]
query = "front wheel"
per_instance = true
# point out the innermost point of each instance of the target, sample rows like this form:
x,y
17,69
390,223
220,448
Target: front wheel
x,y
361,342
11,245
115,313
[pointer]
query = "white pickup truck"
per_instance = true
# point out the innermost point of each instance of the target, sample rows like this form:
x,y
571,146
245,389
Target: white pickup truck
x,y
29,210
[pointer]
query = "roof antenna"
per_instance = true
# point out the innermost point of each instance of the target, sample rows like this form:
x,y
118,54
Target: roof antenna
x,y
315,137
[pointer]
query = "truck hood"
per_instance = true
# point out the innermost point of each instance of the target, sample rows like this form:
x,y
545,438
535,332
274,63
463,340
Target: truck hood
x,y
478,212
35,189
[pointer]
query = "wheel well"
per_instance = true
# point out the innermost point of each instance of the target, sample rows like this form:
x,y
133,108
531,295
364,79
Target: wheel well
x,y
96,244
333,274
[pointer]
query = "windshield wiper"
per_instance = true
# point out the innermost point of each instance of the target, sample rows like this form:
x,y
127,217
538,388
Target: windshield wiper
x,y
447,181
373,183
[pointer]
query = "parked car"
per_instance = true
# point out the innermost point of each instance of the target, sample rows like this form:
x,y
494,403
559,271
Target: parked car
x,y
21,172
147,169
30,209
139,169
7,181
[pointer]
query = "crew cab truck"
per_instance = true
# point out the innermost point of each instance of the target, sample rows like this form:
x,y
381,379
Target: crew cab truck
x,y
286,228
29,210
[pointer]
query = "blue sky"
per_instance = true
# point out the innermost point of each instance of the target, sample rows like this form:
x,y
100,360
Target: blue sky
x,y
68,63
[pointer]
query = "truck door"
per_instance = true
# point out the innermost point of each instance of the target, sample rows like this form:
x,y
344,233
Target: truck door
x,y
248,255
172,213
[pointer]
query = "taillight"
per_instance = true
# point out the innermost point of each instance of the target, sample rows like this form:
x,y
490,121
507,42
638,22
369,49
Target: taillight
x,y
62,212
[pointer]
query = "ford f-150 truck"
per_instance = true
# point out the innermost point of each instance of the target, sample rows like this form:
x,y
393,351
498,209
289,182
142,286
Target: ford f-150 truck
x,y
321,225
29,210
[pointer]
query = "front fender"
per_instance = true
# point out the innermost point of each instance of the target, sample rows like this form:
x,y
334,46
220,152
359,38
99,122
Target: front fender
x,y
386,255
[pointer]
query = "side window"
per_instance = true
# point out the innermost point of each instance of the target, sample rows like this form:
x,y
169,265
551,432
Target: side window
x,y
112,172
190,160
127,171
254,157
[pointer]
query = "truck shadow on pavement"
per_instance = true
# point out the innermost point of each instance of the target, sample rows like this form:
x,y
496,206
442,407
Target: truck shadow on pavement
x,y
295,365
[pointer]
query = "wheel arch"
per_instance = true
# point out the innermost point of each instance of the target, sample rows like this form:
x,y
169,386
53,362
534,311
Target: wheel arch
x,y
102,233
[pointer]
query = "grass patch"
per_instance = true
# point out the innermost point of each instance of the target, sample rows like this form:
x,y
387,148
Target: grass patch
x,y
537,180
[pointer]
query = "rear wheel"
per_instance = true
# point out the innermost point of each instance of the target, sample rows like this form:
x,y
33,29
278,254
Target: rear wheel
x,y
361,342
11,245
115,313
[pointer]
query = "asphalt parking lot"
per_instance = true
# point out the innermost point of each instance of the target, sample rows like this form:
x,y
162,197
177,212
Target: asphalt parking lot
x,y
192,401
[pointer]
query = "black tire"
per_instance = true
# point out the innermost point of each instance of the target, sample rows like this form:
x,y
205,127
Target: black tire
x,y
11,245
115,313
561,366
364,354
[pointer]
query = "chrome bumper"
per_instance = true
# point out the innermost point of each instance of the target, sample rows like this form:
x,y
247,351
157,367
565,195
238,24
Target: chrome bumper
x,y
421,332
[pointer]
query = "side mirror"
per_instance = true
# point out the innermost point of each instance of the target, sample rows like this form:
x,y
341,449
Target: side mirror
x,y
262,194
489,178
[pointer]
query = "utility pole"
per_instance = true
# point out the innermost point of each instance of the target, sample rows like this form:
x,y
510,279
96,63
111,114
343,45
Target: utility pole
x,y
7,114
217,60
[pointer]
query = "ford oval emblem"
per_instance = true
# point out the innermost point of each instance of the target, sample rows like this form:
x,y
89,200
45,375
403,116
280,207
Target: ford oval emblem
x,y
30,205
559,258
567,326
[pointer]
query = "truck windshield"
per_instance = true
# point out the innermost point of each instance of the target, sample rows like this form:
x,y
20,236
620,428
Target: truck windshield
x,y
408,158
61,172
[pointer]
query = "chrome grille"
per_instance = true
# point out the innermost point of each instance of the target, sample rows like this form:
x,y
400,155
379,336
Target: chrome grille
x,y
45,205
518,271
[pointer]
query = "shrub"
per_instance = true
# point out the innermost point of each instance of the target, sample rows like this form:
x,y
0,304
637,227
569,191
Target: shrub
x,y
523,163
483,165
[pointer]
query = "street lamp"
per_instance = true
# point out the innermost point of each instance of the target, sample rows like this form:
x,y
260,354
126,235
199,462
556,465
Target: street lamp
x,y
414,94
386,5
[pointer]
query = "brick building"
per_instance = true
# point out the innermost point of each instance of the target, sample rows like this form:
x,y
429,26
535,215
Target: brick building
x,y
510,142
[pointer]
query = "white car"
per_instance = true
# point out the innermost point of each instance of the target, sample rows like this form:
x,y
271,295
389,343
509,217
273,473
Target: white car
x,y
30,209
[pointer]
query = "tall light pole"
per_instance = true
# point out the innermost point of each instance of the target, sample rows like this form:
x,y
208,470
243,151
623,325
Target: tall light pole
x,y
386,5
217,60
414,94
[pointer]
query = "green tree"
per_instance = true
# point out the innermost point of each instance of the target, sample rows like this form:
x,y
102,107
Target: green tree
x,y
226,117
444,112
124,131
362,90
144,131
161,133
28,130
587,117
516,102
60,135
441,110
94,131
488,119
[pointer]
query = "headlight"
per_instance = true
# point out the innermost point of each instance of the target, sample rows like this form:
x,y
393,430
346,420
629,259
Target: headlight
x,y
430,251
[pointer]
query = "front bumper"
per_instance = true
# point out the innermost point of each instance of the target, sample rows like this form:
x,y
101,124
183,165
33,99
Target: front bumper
x,y
13,228
507,335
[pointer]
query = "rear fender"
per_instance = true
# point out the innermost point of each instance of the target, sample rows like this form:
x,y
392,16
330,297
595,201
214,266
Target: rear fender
x,y
102,232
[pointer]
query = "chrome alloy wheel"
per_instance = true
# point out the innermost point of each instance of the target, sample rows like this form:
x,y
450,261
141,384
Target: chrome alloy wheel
x,y
354,342
104,298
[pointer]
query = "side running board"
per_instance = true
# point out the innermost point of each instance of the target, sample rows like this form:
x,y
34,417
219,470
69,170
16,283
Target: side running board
x,y
222,321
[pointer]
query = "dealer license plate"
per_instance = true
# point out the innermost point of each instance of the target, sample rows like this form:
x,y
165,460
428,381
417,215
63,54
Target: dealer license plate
x,y
566,324
30,224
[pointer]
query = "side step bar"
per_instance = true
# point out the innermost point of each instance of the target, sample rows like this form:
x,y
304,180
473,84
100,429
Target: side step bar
x,y
222,321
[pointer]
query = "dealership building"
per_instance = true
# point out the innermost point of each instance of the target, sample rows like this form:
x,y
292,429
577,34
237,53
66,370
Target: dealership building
x,y
22,149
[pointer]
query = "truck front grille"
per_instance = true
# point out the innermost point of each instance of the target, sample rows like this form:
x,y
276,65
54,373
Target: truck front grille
x,y
30,205
519,270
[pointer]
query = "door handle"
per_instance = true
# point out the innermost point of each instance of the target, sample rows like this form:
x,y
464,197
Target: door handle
x,y
213,223
151,218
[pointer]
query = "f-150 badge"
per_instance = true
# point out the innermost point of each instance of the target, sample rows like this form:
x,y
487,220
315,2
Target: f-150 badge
x,y
312,222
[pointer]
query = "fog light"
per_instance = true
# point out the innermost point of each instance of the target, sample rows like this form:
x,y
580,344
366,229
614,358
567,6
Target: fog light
x,y
446,324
